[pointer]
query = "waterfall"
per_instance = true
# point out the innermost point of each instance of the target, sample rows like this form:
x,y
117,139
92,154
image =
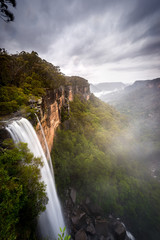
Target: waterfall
x,y
51,220
46,146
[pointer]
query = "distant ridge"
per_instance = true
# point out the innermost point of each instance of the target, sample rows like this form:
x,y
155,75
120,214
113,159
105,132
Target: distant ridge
x,y
106,86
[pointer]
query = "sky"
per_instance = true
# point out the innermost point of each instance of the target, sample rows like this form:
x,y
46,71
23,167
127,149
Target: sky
x,y
100,40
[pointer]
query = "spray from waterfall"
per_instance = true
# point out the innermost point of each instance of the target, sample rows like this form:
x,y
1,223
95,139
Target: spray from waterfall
x,y
51,220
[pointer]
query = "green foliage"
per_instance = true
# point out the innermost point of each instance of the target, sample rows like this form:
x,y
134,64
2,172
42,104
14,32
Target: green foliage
x,y
22,194
91,157
24,76
63,236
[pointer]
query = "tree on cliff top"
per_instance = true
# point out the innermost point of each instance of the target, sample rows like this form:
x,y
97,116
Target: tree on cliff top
x,y
5,14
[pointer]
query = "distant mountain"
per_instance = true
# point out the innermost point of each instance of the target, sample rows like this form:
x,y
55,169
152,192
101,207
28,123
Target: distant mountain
x,y
141,103
94,88
106,86
141,98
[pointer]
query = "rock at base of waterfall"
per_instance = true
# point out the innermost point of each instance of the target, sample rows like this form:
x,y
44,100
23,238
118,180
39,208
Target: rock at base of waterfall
x,y
80,235
73,195
79,219
91,229
87,221
119,231
101,226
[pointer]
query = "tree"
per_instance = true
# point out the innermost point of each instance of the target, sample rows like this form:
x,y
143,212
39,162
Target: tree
x,y
5,14
22,193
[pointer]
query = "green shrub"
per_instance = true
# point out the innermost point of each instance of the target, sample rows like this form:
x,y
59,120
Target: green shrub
x,y
22,194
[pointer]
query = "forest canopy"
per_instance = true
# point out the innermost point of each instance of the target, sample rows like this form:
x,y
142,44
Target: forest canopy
x,y
89,156
22,193
25,76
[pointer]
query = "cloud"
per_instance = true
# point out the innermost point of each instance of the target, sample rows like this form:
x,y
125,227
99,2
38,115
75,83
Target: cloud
x,y
84,36
142,10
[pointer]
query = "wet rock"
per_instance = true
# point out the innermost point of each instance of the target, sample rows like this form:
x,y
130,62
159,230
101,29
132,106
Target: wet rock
x,y
92,237
91,229
119,231
110,237
79,219
101,227
81,235
73,195
4,134
102,238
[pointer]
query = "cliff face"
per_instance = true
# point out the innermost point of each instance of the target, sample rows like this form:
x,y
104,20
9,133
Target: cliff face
x,y
51,107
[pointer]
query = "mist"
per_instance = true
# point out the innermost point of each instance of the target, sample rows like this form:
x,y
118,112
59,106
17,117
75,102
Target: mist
x,y
139,104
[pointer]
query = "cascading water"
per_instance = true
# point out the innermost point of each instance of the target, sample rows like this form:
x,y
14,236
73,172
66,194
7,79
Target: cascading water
x,y
51,220
46,146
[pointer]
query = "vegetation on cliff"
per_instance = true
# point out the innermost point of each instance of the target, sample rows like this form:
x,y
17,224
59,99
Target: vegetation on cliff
x,y
24,78
22,194
90,156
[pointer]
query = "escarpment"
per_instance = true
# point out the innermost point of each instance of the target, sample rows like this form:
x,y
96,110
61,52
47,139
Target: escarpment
x,y
52,105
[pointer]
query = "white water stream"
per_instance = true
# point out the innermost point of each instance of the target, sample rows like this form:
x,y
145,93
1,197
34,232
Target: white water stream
x,y
51,220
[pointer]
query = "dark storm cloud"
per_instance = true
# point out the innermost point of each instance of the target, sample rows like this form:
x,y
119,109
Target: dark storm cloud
x,y
142,10
38,22
152,31
85,32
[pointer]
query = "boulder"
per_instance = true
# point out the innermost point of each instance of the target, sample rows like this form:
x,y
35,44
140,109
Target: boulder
x,y
101,227
91,229
92,237
73,195
110,237
79,219
102,238
80,235
119,231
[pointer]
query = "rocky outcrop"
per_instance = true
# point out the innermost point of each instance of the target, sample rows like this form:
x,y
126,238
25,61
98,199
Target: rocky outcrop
x,y
51,107
79,86
50,112
85,222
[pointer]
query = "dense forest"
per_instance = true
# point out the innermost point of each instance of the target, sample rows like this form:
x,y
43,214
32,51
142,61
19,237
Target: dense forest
x,y
90,155
93,152
24,78
22,194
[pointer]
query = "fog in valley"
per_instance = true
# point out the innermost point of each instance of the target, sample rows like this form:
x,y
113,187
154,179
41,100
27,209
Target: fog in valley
x,y
140,105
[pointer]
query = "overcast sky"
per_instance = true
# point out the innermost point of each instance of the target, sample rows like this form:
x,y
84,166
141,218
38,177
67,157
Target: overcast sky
x,y
100,40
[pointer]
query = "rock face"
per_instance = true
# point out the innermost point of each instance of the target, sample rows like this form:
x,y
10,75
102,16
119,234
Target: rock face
x,y
51,108
80,235
85,225
50,112
3,134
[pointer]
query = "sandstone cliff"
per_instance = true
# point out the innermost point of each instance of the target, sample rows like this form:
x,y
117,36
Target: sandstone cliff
x,y
51,107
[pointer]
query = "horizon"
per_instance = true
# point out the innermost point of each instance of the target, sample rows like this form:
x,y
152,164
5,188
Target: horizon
x,y
126,83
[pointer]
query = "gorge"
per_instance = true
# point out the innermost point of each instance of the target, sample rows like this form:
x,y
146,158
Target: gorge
x,y
94,156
